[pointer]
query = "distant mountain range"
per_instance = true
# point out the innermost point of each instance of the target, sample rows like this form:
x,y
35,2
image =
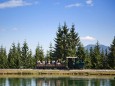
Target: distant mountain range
x,y
101,47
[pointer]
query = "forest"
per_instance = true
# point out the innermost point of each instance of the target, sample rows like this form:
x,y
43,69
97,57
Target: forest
x,y
67,44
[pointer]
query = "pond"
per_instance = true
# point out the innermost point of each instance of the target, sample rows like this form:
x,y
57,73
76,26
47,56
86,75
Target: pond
x,y
56,81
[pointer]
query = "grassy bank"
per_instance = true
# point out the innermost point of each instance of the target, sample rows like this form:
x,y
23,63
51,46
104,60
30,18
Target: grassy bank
x,y
38,72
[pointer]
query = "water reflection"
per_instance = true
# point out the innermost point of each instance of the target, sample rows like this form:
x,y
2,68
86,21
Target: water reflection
x,y
56,82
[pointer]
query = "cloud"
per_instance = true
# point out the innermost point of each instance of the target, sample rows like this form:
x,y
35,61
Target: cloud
x,y
73,5
14,3
88,38
89,2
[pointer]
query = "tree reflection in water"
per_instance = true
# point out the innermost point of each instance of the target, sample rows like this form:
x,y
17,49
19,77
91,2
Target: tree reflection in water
x,y
56,82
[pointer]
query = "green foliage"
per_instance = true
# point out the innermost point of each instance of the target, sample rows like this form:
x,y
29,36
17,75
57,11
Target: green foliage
x,y
81,52
29,60
50,53
66,42
3,58
93,64
24,57
12,57
58,44
19,60
104,57
74,41
87,60
39,54
97,56
111,57
105,60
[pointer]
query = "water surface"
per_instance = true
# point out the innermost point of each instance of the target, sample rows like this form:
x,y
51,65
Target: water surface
x,y
57,81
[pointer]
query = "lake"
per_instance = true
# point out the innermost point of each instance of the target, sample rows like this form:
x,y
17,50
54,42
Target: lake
x,y
57,81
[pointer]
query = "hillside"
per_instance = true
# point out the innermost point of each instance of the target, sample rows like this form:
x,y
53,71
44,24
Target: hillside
x,y
101,47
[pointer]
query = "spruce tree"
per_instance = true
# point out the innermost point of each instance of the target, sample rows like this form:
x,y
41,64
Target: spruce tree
x,y
74,41
106,63
87,60
3,58
19,60
50,53
111,57
65,46
93,59
58,50
30,60
66,42
97,56
81,52
104,55
24,57
103,58
39,54
12,57
47,58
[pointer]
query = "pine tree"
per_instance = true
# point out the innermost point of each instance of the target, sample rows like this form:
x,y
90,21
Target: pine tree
x,y
103,59
24,57
81,52
47,58
66,42
12,57
39,54
58,44
87,60
93,59
50,53
111,57
3,58
74,41
97,56
65,46
106,63
30,60
104,55
19,60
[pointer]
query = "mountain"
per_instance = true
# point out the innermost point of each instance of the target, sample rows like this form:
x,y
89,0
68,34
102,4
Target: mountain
x,y
101,47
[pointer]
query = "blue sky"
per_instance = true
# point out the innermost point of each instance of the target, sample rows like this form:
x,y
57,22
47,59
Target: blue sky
x,y
36,21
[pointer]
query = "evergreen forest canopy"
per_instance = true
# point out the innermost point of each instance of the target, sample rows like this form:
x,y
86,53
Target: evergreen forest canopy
x,y
67,43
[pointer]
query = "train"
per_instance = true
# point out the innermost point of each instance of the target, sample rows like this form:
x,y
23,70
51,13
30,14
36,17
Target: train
x,y
70,63
50,65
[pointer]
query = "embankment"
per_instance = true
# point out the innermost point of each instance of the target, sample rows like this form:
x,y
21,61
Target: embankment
x,y
85,72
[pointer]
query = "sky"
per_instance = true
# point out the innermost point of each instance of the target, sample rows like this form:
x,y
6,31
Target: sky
x,y
37,21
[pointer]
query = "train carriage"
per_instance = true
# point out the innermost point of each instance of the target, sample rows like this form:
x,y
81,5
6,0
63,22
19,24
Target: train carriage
x,y
70,63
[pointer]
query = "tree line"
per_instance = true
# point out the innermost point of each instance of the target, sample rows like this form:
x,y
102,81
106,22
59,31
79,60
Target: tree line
x,y
20,57
67,44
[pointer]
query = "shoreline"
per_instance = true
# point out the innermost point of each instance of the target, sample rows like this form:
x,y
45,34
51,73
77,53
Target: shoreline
x,y
42,72
58,76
